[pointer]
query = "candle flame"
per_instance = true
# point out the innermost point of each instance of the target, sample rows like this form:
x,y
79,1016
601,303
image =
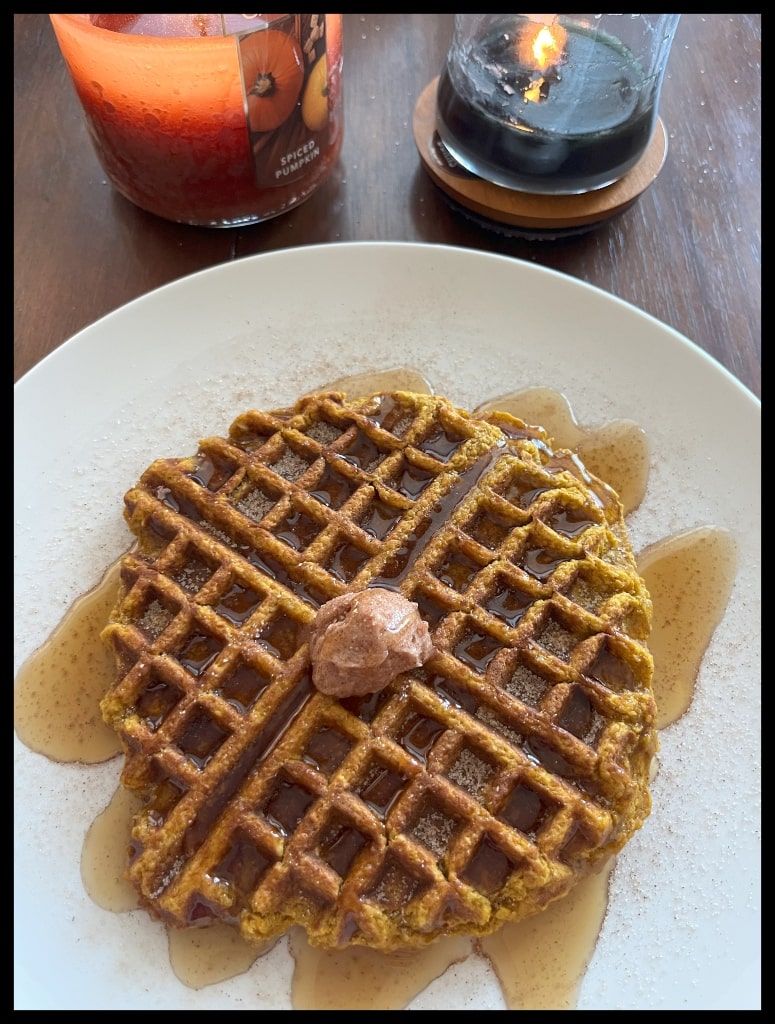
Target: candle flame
x,y
533,92
540,44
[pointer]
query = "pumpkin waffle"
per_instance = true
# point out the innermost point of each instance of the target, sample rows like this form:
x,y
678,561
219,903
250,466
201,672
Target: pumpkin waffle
x,y
472,790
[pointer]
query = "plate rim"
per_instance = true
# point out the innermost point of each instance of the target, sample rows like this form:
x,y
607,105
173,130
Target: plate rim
x,y
189,280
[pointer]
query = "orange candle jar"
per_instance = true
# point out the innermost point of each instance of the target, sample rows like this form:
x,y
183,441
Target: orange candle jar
x,y
209,119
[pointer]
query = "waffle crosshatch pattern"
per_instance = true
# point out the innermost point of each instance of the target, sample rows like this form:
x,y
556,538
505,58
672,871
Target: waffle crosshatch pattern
x,y
469,792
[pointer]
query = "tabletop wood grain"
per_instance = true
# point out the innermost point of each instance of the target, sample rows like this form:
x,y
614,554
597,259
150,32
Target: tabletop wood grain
x,y
688,252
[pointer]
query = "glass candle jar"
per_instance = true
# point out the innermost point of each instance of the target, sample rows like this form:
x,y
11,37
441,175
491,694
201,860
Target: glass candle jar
x,y
209,119
553,103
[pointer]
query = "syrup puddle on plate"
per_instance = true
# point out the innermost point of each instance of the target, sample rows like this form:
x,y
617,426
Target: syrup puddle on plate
x,y
57,691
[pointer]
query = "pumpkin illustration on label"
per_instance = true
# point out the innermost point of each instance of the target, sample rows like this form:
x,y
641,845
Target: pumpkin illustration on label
x,y
314,102
273,70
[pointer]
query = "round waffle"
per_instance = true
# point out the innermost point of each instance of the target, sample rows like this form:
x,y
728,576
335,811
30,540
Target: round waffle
x,y
471,791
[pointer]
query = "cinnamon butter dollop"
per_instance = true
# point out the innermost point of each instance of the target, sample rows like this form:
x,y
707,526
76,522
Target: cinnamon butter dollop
x,y
360,641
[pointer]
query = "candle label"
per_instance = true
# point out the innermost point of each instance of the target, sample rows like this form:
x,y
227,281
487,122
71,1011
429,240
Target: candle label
x,y
445,160
290,76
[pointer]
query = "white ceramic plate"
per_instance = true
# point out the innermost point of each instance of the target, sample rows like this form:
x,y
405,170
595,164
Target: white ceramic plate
x,y
683,924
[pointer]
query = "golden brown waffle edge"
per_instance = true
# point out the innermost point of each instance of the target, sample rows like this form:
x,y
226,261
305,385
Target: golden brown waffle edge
x,y
472,791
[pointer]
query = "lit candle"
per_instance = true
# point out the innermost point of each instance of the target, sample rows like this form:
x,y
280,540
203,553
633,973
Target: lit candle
x,y
206,118
547,103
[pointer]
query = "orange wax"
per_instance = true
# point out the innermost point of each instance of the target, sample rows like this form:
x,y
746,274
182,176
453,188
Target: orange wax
x,y
168,114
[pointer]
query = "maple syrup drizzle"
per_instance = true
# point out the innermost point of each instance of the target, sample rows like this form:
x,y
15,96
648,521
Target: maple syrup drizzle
x,y
57,691
540,963
690,577
205,956
403,378
617,452
103,857
360,979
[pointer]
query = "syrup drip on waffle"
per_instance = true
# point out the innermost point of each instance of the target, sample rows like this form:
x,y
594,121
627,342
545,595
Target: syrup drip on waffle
x,y
202,957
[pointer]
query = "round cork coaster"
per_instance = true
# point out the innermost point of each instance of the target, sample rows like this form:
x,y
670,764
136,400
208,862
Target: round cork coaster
x,y
541,215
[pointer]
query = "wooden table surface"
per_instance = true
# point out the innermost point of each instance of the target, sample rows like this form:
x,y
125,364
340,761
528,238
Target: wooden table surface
x,y
688,251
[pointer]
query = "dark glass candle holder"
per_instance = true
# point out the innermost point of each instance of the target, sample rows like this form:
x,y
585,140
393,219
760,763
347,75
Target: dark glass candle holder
x,y
556,104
